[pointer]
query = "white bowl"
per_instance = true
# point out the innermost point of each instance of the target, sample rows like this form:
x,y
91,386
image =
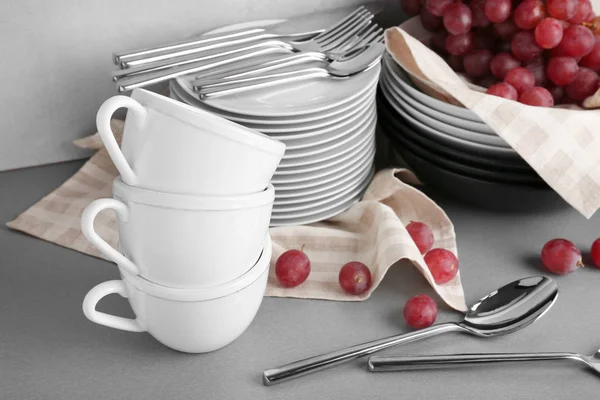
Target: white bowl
x,y
191,321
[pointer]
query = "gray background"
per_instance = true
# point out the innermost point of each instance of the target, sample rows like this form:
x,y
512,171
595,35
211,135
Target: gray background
x,y
56,59
48,350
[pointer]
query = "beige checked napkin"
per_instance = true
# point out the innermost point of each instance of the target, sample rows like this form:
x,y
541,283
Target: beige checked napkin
x,y
562,145
372,231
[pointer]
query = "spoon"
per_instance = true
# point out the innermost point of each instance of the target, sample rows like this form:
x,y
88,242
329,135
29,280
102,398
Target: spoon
x,y
384,364
505,310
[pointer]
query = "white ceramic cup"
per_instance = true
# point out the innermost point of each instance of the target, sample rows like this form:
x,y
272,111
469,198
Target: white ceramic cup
x,y
192,321
171,147
183,241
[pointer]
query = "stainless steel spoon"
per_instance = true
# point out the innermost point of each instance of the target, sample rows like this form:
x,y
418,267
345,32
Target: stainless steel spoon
x,y
505,310
408,363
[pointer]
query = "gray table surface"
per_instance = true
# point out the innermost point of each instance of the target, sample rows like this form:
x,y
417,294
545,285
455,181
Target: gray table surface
x,y
48,350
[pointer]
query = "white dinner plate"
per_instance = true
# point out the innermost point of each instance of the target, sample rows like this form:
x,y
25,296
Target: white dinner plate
x,y
323,214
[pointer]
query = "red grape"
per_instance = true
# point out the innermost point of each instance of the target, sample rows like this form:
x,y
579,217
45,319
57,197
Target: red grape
x,y
524,47
561,256
292,268
562,9
502,63
458,18
411,7
498,10
562,70
460,44
548,33
506,30
537,96
355,277
455,62
422,235
438,42
430,21
557,92
592,60
479,18
420,311
477,62
577,41
584,85
437,7
539,73
529,13
442,264
503,90
584,8
520,78
595,252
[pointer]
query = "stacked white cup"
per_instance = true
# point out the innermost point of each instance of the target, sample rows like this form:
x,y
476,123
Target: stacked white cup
x,y
193,203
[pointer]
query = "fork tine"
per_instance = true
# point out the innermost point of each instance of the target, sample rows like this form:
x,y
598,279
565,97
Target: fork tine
x,y
347,36
342,23
356,24
363,39
341,28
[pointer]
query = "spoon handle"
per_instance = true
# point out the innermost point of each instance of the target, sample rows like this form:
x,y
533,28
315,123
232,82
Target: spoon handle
x,y
411,363
317,363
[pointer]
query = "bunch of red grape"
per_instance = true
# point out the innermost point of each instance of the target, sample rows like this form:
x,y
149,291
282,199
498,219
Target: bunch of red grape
x,y
540,53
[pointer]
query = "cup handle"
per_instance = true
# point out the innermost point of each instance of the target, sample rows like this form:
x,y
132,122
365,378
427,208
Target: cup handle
x,y
87,227
100,291
137,112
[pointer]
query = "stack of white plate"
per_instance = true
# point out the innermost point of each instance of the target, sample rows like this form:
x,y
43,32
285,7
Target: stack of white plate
x,y
328,127
451,148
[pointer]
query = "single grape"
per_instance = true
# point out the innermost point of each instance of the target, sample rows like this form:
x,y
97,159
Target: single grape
x,y
429,21
520,78
592,60
292,268
537,96
355,277
455,62
479,18
561,256
411,7
442,264
498,11
502,63
438,42
539,73
503,90
529,14
584,8
577,41
562,9
458,45
422,235
437,7
591,18
506,30
458,18
524,47
595,252
548,33
562,70
477,62
557,92
584,85
420,311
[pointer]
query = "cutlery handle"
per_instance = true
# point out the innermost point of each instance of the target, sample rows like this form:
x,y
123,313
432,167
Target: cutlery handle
x,y
410,363
146,79
259,68
258,82
314,364
205,42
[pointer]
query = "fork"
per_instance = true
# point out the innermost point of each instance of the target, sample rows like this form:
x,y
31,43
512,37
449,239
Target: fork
x,y
235,39
348,35
359,61
407,363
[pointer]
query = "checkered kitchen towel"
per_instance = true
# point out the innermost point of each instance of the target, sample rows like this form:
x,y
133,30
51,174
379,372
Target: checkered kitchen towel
x,y
561,145
372,231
